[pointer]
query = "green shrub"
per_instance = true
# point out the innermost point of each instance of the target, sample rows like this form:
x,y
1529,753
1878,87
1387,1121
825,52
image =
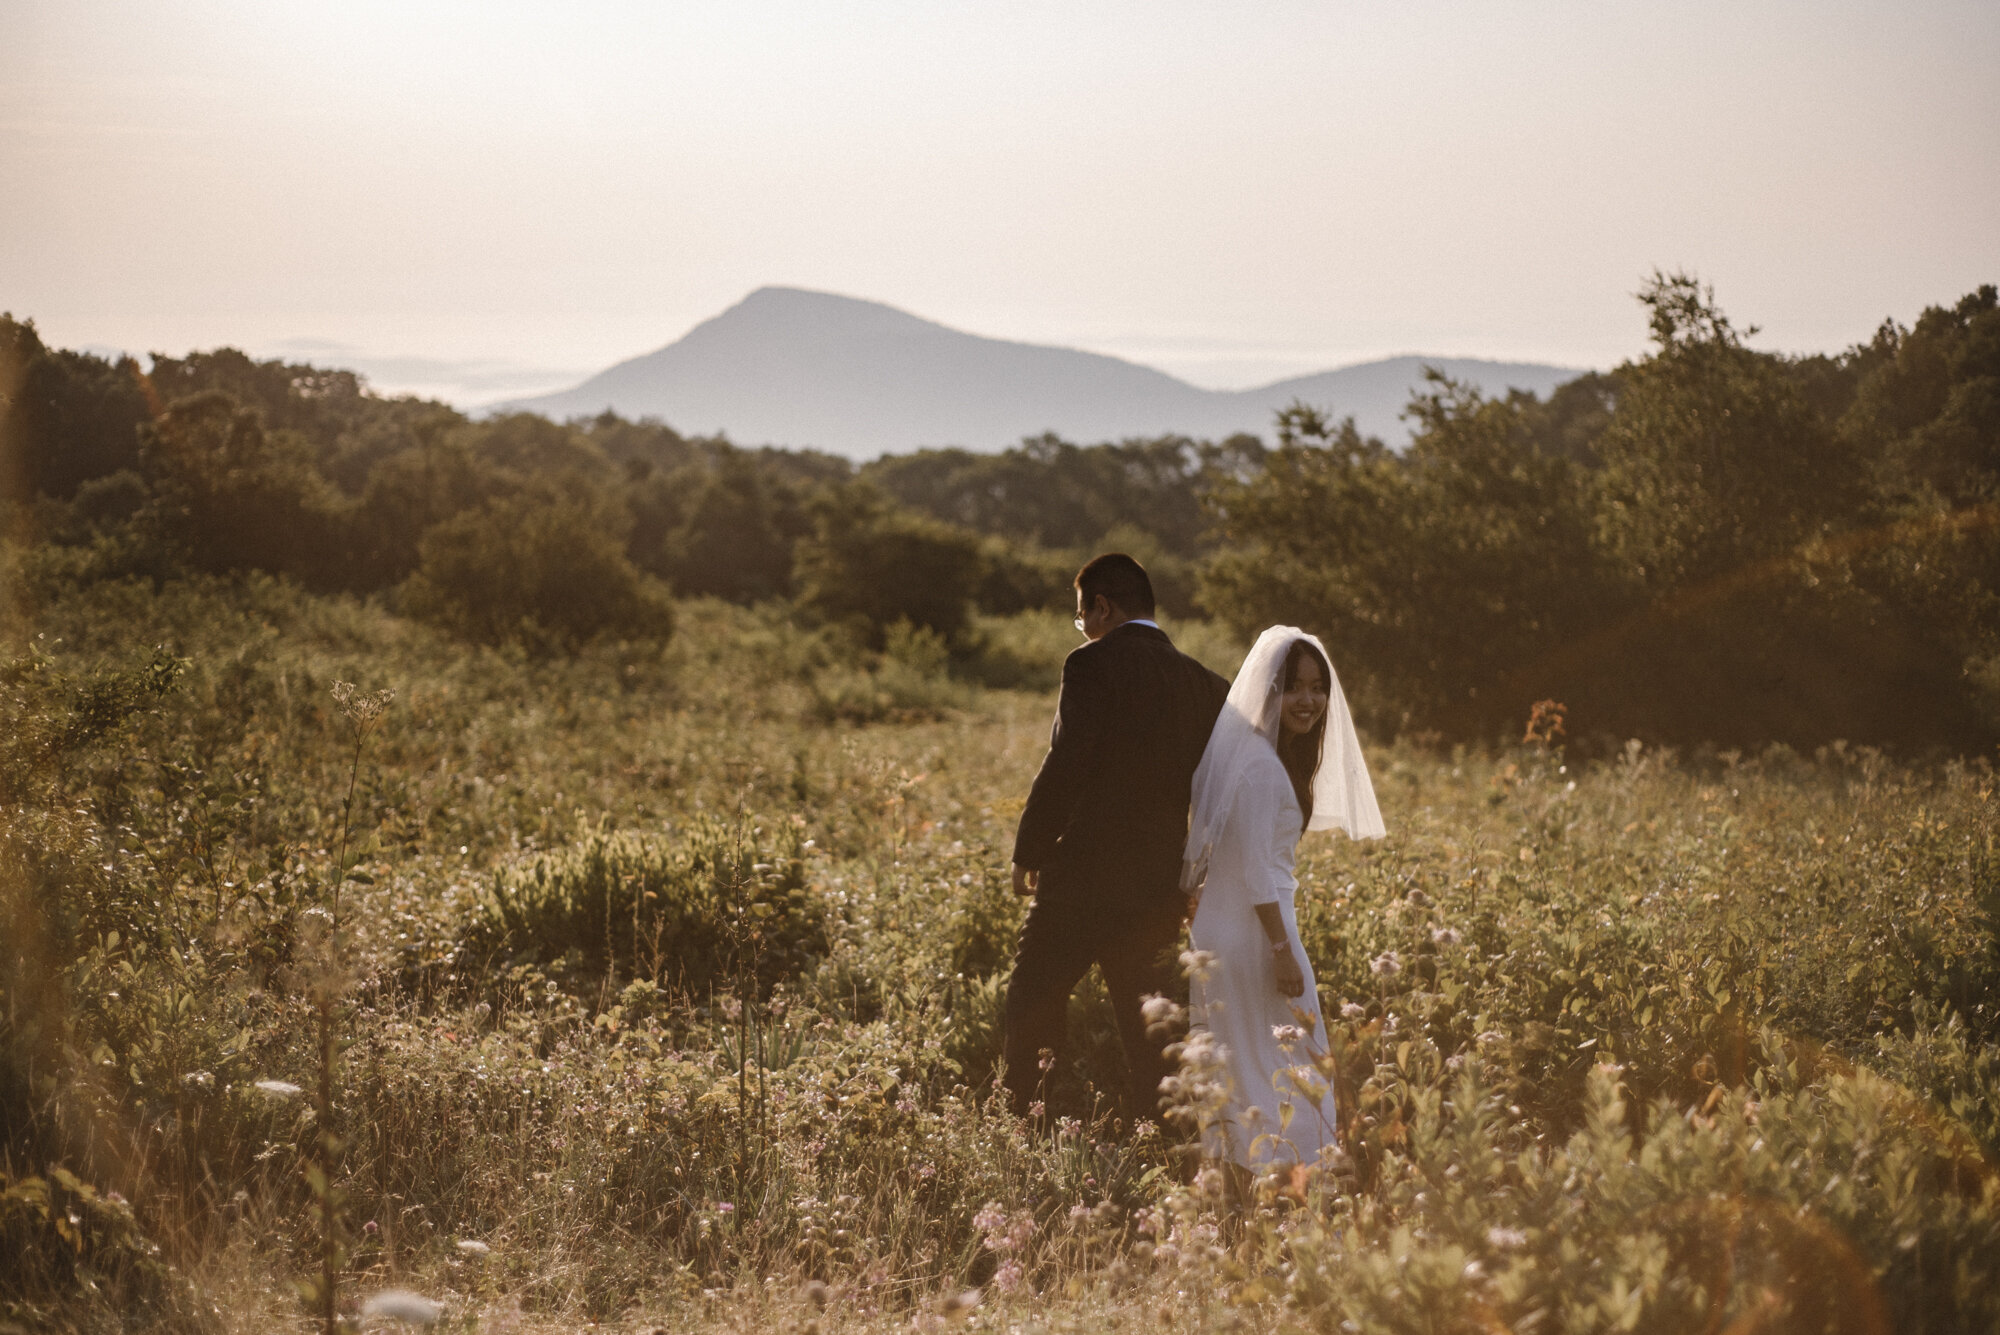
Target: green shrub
x,y
65,1240
909,680
1022,652
226,494
871,565
710,904
1018,577
547,574
1025,651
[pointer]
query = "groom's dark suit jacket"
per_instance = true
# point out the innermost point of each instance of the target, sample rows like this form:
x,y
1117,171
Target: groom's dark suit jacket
x,y
1107,817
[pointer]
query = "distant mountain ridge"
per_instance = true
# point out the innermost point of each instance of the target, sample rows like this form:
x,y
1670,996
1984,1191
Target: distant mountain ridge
x,y
786,366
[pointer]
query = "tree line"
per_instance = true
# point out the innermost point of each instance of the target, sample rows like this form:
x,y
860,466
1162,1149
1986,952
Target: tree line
x,y
1707,543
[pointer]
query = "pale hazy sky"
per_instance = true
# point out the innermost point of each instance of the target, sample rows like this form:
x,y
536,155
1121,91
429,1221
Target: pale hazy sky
x,y
486,198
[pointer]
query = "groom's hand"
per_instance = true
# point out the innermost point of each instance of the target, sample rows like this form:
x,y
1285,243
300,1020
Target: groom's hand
x,y
1291,978
1026,881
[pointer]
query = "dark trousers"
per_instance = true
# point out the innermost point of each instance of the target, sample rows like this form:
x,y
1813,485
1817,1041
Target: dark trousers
x,y
1136,948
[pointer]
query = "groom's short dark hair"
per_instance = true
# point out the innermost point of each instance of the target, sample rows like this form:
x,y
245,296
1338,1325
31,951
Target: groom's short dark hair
x,y
1119,578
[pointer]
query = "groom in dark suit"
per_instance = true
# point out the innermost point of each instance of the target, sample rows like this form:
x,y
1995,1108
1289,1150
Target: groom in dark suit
x,y
1100,842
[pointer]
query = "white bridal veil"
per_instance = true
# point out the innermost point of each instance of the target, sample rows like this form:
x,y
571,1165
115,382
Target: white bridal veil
x,y
1247,729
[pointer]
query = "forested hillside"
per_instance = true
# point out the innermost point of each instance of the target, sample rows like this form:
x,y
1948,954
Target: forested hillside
x,y
1710,543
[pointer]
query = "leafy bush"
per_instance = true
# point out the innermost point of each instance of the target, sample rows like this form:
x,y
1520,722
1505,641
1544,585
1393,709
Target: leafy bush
x,y
1022,652
909,680
706,905
872,565
61,1236
1015,577
226,494
1025,652
546,574
736,531
58,896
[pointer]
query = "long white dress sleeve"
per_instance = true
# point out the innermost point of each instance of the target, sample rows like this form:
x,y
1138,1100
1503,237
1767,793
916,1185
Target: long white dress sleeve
x,y
1279,1106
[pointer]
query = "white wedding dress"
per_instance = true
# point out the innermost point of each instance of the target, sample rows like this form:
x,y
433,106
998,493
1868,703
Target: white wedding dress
x,y
1276,1103
1278,1106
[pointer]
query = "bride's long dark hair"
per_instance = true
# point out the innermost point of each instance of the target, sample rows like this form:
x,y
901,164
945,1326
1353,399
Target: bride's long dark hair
x,y
1300,753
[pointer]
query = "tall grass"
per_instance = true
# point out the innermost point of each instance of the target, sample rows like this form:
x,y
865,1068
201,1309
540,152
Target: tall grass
x,y
671,991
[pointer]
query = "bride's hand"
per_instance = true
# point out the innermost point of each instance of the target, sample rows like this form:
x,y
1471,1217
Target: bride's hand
x,y
1291,978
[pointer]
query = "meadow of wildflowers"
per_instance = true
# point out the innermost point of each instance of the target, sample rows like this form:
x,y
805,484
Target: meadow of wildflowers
x,y
660,988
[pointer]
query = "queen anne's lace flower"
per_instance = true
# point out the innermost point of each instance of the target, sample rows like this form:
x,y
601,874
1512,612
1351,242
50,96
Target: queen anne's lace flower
x,y
361,708
1198,963
403,1305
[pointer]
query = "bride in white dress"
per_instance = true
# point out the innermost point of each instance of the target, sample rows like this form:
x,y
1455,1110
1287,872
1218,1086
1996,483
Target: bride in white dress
x,y
1283,759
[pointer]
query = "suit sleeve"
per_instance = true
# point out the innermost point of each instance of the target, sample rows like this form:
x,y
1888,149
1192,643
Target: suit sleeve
x,y
1075,743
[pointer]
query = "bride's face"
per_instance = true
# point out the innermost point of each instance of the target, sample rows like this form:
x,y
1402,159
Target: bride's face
x,y
1304,702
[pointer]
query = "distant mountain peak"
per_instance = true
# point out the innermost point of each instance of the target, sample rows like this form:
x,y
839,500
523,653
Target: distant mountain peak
x,y
779,294
798,309
793,366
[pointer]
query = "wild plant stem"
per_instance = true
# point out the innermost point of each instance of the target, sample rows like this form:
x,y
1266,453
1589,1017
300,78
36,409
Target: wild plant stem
x,y
329,1256
346,813
329,1237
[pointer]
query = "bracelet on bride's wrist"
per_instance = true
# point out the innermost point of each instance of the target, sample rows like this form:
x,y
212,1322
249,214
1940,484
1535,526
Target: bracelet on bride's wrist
x,y
1277,946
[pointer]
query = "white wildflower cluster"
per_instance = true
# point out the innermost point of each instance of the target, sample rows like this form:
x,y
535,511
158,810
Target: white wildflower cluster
x,y
1162,1016
1198,963
361,708
403,1305
1197,1093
